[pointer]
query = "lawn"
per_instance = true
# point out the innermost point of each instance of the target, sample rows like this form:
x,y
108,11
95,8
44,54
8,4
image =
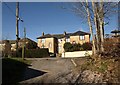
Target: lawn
x,y
13,69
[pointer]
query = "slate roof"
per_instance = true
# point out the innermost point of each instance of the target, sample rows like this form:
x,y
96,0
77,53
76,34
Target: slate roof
x,y
45,36
27,39
115,31
11,41
58,36
14,41
80,33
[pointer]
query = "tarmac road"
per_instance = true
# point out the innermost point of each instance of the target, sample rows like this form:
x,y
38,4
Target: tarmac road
x,y
50,70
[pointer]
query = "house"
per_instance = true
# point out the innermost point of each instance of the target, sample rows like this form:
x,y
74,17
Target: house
x,y
29,43
48,41
116,33
11,42
55,42
5,48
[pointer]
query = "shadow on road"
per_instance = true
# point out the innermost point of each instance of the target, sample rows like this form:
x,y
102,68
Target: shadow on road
x,y
14,71
32,73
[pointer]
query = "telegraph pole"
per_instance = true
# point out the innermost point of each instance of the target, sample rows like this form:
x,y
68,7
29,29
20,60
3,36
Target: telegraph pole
x,y
17,25
24,42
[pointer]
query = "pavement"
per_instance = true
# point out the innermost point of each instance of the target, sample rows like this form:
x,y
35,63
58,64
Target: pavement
x,y
50,70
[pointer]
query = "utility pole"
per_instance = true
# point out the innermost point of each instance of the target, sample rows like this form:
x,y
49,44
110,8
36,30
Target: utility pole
x,y
24,42
24,32
17,24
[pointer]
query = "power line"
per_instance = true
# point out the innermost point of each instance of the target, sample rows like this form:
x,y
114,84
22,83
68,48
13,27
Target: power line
x,y
13,12
10,9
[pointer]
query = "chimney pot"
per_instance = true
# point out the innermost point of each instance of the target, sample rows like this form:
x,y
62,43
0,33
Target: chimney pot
x,y
64,32
42,33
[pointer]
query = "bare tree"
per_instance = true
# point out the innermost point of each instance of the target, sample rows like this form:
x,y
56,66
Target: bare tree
x,y
91,29
97,15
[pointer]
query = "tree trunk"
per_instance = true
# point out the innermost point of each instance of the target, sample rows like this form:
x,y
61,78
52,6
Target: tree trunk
x,y
91,29
96,22
102,26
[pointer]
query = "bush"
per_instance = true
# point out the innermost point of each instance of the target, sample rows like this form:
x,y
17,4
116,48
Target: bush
x,y
19,53
77,47
71,47
87,46
31,45
36,53
32,53
68,47
112,47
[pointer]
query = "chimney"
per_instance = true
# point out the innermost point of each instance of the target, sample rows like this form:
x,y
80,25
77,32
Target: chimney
x,y
42,33
64,32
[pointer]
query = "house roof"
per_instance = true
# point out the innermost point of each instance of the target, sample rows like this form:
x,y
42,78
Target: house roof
x,y
4,41
45,36
27,39
115,31
62,35
58,36
80,33
14,41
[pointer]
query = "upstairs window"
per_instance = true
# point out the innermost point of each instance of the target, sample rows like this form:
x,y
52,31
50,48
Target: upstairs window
x,y
67,39
43,40
82,37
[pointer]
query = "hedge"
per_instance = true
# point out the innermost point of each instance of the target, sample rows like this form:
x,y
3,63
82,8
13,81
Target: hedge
x,y
33,53
77,47
87,46
37,53
71,47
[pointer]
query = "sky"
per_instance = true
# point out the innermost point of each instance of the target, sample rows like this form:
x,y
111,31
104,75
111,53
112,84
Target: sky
x,y
47,17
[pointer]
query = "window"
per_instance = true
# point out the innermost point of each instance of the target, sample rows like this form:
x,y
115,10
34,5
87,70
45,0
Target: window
x,y
43,46
43,40
73,42
82,37
67,39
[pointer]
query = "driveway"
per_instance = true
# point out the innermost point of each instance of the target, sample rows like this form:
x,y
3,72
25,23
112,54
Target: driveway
x,y
50,70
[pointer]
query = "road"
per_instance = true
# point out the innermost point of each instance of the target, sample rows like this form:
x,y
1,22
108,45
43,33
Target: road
x,y
51,70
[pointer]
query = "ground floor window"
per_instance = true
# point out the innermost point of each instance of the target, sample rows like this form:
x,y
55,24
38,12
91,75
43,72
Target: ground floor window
x,y
43,46
73,42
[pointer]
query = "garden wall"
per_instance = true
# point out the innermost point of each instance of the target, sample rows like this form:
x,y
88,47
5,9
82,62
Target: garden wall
x,y
76,54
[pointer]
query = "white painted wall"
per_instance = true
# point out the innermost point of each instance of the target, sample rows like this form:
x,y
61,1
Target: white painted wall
x,y
76,54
